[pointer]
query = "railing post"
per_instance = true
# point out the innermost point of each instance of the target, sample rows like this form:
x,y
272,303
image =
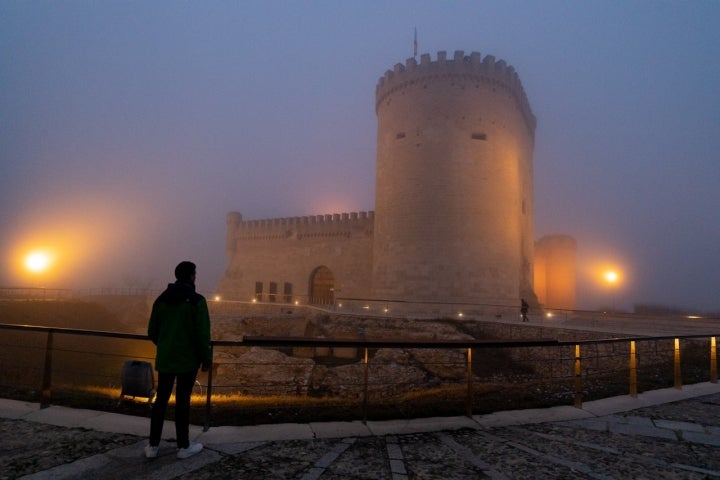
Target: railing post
x,y
469,398
713,361
365,385
676,364
47,373
577,378
208,402
633,370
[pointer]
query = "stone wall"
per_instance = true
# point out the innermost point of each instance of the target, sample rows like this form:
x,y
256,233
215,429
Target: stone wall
x,y
289,250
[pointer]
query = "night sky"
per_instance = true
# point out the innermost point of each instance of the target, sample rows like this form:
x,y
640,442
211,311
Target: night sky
x,y
128,129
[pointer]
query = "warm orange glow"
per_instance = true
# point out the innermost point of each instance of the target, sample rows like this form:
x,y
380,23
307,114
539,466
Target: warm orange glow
x,y
86,240
608,275
37,261
611,276
42,260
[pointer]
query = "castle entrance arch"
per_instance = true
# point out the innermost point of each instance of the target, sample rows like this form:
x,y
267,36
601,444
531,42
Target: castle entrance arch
x,y
322,286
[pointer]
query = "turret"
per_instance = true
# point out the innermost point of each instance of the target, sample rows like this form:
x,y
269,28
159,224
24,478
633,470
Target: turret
x,y
454,201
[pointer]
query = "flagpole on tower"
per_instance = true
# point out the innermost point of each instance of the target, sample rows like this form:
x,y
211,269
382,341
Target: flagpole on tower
x,y
415,43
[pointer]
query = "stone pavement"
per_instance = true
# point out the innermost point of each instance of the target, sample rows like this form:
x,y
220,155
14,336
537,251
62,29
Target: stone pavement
x,y
673,434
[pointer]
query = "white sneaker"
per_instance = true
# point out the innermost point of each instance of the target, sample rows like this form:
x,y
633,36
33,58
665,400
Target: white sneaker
x,y
191,450
150,451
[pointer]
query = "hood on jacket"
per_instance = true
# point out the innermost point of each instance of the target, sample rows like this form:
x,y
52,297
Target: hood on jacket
x,y
180,292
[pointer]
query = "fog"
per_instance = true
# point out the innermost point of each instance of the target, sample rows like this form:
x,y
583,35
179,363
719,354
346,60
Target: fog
x,y
130,129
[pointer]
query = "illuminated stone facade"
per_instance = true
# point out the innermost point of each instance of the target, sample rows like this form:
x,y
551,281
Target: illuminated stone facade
x,y
288,259
453,220
453,201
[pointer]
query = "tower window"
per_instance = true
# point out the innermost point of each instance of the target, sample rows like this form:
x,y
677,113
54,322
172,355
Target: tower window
x,y
273,291
400,135
479,136
258,291
287,292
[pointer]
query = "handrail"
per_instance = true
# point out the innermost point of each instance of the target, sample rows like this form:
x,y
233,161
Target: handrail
x,y
273,341
257,341
74,331
267,341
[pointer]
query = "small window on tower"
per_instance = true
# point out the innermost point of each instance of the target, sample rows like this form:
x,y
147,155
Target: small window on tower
x,y
400,135
479,136
287,292
273,291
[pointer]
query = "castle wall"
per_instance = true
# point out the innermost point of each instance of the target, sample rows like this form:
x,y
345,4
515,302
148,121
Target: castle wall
x,y
289,250
453,220
454,201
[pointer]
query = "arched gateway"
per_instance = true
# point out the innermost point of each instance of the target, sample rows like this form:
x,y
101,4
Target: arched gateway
x,y
322,286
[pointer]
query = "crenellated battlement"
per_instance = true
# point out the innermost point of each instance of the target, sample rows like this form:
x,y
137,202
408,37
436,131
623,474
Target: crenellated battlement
x,y
306,226
471,67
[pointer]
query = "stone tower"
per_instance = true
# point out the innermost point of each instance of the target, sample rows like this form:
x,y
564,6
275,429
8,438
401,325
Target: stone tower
x,y
555,271
454,198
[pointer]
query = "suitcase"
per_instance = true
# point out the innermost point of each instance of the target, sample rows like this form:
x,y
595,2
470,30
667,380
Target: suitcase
x,y
138,380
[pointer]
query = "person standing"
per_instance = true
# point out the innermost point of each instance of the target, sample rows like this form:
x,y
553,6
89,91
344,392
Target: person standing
x,y
179,326
524,309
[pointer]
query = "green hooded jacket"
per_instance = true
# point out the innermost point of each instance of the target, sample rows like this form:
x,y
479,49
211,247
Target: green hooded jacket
x,y
180,328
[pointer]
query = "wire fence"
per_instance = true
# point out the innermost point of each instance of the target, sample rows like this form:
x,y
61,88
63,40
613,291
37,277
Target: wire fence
x,y
53,294
361,379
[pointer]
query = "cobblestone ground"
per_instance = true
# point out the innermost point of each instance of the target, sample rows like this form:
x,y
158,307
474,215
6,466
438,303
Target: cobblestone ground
x,y
28,447
537,452
653,443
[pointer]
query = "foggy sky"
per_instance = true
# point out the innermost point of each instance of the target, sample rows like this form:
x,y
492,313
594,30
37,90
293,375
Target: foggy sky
x,y
128,129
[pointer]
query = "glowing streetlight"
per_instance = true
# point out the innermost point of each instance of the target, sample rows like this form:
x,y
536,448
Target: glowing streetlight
x,y
611,277
37,262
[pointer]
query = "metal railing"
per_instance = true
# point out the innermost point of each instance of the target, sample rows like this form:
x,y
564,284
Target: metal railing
x,y
576,363
44,293
35,293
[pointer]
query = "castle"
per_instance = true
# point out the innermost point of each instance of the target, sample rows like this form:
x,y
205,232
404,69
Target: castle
x,y
453,219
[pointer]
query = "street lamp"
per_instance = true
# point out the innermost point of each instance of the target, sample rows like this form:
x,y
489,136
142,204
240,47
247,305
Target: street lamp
x,y
612,278
37,262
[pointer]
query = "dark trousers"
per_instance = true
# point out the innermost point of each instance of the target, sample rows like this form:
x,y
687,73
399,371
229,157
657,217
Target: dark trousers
x,y
185,383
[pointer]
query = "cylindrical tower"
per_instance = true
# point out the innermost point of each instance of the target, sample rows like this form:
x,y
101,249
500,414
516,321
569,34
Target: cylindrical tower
x,y
453,199
555,271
